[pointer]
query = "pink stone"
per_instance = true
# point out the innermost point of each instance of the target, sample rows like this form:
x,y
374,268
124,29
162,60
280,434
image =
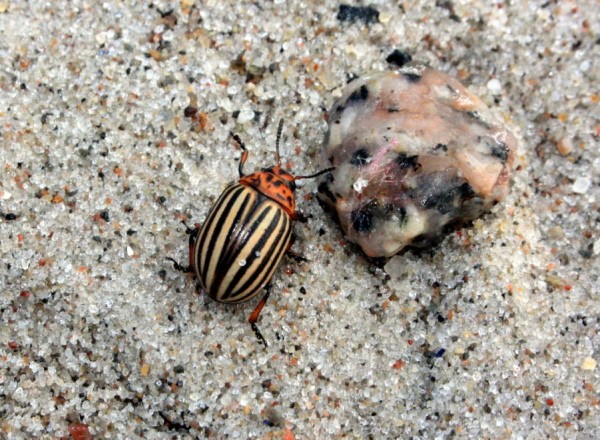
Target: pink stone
x,y
414,151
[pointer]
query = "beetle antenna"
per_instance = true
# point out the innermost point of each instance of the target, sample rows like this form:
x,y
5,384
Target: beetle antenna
x,y
244,152
277,155
317,174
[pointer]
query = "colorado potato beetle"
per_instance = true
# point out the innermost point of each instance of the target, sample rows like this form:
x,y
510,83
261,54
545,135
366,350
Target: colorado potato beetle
x,y
235,252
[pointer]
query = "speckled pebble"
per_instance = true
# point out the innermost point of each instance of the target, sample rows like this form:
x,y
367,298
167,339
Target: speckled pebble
x,y
414,151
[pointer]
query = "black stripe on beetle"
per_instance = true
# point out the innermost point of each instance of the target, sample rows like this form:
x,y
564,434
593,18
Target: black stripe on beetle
x,y
248,253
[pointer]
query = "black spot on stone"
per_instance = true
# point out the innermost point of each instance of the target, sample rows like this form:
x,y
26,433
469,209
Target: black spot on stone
x,y
352,14
351,77
10,216
500,151
442,147
330,177
360,157
449,6
399,58
476,116
323,189
359,95
339,109
411,77
362,221
447,201
466,190
420,240
392,110
405,161
443,202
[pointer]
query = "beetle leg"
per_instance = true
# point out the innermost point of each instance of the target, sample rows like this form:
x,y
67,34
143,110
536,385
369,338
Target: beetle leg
x,y
294,255
192,245
193,233
256,313
244,153
299,217
180,267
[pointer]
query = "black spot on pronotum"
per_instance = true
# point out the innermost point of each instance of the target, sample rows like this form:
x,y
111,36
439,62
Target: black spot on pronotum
x,y
360,157
399,58
500,151
411,77
362,220
405,161
352,14
359,95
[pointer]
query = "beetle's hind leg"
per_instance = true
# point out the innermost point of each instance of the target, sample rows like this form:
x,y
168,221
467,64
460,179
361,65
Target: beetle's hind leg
x,y
256,313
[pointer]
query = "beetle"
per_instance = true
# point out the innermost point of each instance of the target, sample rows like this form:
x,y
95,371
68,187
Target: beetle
x,y
235,252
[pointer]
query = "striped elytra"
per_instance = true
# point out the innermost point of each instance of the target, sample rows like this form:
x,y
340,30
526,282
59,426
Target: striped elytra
x,y
235,252
240,244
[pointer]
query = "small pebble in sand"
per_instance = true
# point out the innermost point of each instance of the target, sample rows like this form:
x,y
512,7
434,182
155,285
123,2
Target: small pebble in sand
x,y
564,146
581,185
589,364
